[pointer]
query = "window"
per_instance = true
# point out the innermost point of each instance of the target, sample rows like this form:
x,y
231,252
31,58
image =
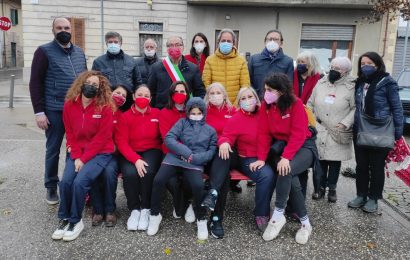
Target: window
x,y
327,42
78,31
14,16
153,31
216,38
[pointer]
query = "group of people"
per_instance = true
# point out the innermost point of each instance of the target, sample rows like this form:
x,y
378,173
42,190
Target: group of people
x,y
164,124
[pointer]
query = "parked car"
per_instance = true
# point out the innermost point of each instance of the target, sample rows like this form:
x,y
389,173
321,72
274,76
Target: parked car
x,y
403,80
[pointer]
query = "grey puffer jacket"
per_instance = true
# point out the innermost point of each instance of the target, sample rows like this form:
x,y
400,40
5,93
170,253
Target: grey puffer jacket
x,y
188,137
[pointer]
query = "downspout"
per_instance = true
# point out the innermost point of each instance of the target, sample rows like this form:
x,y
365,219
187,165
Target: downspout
x,y
385,35
102,27
277,18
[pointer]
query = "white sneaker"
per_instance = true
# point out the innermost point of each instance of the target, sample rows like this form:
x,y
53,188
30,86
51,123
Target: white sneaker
x,y
62,228
153,225
302,236
202,229
73,231
174,213
132,223
190,214
273,229
144,218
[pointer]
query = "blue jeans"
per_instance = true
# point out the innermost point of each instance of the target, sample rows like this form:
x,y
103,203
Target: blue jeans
x,y
54,136
265,183
104,191
75,185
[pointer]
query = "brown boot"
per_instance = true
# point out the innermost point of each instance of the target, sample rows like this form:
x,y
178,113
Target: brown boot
x,y
110,220
97,220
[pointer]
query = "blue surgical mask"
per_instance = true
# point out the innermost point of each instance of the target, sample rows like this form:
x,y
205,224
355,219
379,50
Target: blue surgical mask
x,y
368,70
113,48
225,47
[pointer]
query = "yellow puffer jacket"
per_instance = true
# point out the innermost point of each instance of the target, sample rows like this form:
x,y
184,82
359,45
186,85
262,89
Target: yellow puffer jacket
x,y
230,70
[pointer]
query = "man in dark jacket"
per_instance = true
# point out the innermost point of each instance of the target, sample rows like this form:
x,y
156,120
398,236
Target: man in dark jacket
x,y
148,59
54,68
118,67
271,59
177,67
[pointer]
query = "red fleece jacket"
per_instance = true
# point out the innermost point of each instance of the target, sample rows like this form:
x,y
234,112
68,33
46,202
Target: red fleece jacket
x,y
167,119
217,118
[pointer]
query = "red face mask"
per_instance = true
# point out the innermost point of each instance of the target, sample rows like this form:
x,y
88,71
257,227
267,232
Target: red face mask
x,y
118,99
179,98
142,102
174,53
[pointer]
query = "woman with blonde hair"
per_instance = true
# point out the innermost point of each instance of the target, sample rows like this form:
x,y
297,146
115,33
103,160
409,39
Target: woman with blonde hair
x,y
306,75
88,122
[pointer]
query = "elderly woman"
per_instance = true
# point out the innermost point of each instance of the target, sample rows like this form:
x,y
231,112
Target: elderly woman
x,y
332,102
306,75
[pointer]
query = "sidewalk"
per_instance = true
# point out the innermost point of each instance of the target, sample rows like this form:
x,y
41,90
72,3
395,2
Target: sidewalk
x,y
21,91
27,221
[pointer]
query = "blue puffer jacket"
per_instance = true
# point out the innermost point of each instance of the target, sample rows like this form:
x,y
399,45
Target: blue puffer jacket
x,y
386,102
188,137
262,64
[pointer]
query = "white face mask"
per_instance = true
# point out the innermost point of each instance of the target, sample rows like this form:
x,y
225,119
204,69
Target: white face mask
x,y
149,53
216,100
272,46
199,47
196,117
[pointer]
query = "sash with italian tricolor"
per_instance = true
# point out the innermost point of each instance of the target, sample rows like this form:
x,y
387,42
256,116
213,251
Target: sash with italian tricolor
x,y
173,70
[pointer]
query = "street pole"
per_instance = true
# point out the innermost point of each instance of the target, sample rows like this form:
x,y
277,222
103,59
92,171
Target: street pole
x,y
102,27
403,64
11,97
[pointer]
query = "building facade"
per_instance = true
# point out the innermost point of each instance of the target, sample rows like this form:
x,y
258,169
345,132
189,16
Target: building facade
x,y
11,41
328,28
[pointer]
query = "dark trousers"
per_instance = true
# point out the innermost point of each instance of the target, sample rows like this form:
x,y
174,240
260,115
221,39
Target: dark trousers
x,y
284,184
265,183
54,136
138,190
194,179
303,179
370,170
104,191
75,185
331,170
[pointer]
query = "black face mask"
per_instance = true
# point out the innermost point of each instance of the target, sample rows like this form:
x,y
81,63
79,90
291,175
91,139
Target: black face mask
x,y
302,68
89,91
334,76
63,37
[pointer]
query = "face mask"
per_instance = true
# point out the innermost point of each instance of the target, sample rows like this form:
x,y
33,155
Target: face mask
x,y
248,105
149,53
89,91
302,68
63,37
368,70
179,98
216,100
272,46
334,76
199,47
174,53
118,99
142,102
270,97
225,47
113,48
196,117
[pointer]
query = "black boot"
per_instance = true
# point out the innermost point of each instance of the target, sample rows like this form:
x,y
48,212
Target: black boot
x,y
331,196
320,194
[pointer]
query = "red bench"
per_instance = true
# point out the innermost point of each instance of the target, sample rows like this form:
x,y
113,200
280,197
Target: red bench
x,y
235,175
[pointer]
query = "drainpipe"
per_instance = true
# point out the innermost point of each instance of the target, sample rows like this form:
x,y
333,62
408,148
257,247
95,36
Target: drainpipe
x,y
102,27
385,35
277,18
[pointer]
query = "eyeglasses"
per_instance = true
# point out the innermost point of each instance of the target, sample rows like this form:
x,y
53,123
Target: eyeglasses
x,y
175,45
335,68
273,39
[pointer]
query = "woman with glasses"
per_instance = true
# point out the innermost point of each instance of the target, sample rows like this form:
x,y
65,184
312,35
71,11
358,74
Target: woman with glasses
x,y
333,105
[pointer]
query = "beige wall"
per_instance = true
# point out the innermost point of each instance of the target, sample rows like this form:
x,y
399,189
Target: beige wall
x,y
15,34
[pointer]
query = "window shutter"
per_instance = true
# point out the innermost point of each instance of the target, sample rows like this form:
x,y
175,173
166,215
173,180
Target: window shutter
x,y
78,31
328,32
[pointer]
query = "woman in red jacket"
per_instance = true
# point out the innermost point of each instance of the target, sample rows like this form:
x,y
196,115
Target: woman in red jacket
x,y
306,75
241,132
138,139
283,117
220,110
199,51
88,122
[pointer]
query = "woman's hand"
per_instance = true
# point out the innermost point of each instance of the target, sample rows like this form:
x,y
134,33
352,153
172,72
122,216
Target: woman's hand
x,y
256,165
283,167
224,150
69,149
140,165
341,126
188,160
78,164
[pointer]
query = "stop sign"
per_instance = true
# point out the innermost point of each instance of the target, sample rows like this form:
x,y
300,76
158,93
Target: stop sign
x,y
5,23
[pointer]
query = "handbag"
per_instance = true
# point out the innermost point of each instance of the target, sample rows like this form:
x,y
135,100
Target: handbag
x,y
375,133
